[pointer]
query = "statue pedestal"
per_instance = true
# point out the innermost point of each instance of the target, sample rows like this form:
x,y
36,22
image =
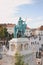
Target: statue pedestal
x,y
22,45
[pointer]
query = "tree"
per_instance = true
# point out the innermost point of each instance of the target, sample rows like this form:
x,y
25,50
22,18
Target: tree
x,y
19,59
1,32
12,35
5,32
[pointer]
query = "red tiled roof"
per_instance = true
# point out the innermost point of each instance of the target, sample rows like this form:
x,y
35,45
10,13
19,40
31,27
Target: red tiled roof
x,y
10,25
40,28
27,28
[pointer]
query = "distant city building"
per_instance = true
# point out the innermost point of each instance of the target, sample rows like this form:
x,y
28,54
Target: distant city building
x,y
27,31
35,31
3,25
10,28
30,32
40,30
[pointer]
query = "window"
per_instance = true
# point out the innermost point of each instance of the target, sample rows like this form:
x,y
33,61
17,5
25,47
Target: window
x,y
26,46
20,47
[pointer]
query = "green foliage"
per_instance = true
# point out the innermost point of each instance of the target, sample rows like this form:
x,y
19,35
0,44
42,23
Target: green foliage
x,y
19,59
3,32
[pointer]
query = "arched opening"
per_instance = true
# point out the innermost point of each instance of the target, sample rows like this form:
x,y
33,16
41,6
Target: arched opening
x,y
26,46
12,47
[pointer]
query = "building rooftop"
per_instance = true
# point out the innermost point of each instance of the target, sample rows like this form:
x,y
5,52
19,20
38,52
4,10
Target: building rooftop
x,y
27,27
41,27
10,25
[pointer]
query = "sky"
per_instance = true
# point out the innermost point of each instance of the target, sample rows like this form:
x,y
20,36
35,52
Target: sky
x,y
30,11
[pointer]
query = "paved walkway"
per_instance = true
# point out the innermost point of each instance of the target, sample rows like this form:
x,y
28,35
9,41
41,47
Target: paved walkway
x,y
7,60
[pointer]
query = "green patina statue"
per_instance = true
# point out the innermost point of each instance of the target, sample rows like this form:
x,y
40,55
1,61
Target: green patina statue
x,y
19,29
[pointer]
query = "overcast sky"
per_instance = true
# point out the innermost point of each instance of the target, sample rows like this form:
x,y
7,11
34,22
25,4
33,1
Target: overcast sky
x,y
30,10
